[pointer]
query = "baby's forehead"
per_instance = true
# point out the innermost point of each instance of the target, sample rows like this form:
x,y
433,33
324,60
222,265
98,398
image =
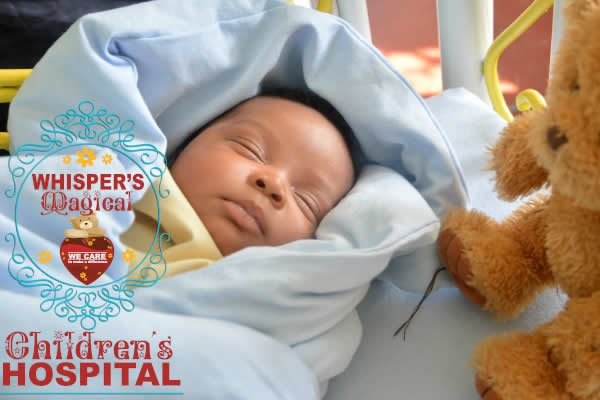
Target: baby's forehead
x,y
288,124
270,113
259,103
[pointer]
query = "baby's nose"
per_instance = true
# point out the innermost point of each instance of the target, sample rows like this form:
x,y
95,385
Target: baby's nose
x,y
272,186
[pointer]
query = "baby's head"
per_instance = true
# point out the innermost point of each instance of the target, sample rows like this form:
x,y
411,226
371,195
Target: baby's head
x,y
268,170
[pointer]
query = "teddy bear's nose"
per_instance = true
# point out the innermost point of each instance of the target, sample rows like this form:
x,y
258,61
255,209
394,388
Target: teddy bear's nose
x,y
555,138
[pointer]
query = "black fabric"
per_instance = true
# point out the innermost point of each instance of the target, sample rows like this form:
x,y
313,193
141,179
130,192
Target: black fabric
x,y
29,27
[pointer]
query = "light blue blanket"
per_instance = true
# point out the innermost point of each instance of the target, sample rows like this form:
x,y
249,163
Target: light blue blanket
x,y
264,322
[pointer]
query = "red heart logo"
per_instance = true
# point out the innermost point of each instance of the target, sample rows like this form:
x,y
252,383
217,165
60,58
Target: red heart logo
x,y
87,258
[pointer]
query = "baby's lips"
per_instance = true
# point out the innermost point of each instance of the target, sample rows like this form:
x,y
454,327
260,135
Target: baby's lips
x,y
255,211
243,218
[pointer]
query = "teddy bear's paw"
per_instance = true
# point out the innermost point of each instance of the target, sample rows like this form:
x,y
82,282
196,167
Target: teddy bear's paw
x,y
516,366
489,260
452,253
76,233
96,232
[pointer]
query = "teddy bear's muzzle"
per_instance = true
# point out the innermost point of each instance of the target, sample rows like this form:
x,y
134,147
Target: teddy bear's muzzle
x,y
555,137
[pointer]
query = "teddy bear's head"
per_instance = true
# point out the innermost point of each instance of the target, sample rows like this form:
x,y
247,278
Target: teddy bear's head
x,y
84,222
567,137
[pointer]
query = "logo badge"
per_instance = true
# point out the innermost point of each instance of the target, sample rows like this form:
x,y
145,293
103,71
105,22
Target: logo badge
x,y
79,181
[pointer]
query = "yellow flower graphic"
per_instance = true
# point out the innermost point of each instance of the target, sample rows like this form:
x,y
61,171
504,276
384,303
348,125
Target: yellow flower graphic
x,y
45,257
127,255
107,159
86,157
82,275
66,159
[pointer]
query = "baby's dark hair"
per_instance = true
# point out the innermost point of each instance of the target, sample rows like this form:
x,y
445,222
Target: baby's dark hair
x,y
302,96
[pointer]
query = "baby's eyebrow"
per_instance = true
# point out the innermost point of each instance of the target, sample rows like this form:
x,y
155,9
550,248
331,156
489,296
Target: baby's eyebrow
x,y
257,127
259,131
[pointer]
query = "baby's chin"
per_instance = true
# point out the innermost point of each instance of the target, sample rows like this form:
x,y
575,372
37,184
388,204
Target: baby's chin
x,y
226,237
226,247
224,243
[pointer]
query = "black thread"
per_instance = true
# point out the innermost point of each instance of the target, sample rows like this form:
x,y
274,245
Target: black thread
x,y
427,293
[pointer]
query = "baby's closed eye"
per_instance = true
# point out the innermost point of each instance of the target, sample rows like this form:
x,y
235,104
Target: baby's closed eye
x,y
309,204
248,148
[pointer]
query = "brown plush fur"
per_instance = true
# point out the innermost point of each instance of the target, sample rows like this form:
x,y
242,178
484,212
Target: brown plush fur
x,y
522,358
552,240
517,171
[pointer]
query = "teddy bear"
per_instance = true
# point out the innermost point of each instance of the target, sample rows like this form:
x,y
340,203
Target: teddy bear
x,y
552,156
86,225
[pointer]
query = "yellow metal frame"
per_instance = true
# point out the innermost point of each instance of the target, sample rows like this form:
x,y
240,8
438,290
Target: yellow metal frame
x,y
10,81
324,5
4,140
528,98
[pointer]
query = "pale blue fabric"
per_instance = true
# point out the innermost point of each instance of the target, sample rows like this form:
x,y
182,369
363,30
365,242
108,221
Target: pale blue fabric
x,y
173,65
433,362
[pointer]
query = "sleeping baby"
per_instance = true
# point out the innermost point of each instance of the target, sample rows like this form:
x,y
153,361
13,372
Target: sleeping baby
x,y
264,173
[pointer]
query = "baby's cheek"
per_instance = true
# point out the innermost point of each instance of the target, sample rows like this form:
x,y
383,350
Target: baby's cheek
x,y
292,229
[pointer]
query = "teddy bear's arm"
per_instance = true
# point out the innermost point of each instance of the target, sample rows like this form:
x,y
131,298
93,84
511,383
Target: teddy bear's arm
x,y
499,266
517,171
96,231
76,233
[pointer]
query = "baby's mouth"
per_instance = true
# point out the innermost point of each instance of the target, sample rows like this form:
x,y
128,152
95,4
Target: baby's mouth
x,y
246,215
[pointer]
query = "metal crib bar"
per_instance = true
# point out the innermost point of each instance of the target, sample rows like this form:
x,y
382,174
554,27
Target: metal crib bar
x,y
356,13
557,28
466,31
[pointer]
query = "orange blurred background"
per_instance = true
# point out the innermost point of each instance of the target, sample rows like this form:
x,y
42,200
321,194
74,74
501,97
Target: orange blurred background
x,y
406,33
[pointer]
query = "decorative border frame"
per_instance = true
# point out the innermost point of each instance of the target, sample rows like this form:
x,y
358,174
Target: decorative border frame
x,y
86,304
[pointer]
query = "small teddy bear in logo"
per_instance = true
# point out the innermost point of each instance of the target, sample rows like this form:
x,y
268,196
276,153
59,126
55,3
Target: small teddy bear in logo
x,y
85,226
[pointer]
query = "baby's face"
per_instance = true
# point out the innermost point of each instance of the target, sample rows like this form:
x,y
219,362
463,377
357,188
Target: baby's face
x,y
264,174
